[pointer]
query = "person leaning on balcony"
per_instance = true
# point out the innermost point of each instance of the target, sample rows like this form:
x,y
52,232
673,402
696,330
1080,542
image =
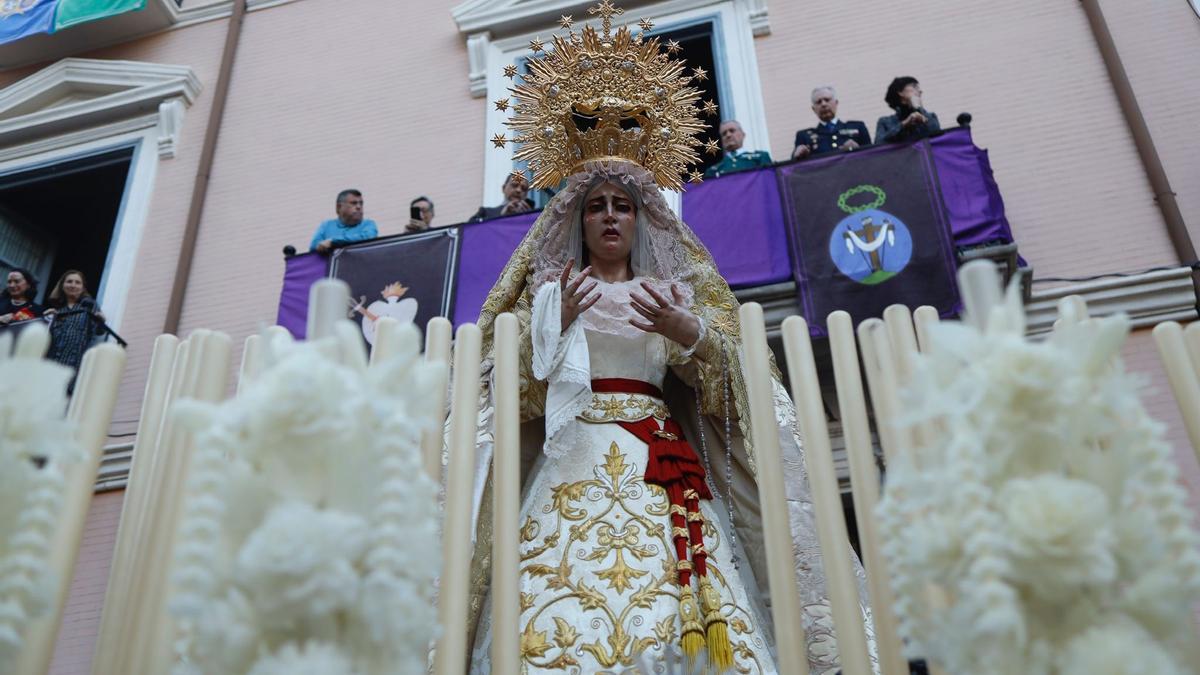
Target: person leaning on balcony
x,y
347,228
736,157
77,321
422,208
831,134
911,121
16,300
516,189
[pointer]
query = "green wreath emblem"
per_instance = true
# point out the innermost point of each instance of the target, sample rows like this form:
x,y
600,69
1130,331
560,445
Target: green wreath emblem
x,y
880,198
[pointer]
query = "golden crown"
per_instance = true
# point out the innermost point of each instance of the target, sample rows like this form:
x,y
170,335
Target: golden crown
x,y
605,96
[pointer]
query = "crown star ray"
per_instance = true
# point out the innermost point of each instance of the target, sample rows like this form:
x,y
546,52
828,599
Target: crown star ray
x,y
605,96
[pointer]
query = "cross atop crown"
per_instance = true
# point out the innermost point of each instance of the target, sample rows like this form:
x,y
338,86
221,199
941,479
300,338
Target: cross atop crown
x,y
606,10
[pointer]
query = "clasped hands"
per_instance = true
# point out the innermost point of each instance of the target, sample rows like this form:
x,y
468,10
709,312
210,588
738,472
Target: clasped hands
x,y
668,317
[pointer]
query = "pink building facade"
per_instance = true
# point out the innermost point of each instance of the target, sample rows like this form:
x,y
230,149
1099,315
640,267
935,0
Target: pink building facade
x,y
394,99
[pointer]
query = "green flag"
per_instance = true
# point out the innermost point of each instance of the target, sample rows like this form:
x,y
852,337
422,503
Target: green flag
x,y
74,12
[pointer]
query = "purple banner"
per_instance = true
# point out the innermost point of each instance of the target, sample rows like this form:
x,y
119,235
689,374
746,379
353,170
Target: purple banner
x,y
739,220
300,272
969,190
483,253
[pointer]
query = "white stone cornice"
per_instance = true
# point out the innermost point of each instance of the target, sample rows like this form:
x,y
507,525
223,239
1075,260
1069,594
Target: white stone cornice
x,y
77,94
1148,299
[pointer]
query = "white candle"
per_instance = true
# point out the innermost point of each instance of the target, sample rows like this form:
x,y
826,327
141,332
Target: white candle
x,y
864,484
455,582
386,333
205,379
870,351
980,289
251,361
120,588
91,411
1191,336
899,324
437,350
328,301
1168,336
785,600
32,342
1072,309
925,317
153,462
506,490
822,479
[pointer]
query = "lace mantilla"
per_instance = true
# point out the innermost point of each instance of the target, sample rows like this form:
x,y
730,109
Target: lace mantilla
x,y
614,309
561,358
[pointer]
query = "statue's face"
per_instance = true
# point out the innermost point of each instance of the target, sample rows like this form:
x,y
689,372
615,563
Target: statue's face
x,y
609,223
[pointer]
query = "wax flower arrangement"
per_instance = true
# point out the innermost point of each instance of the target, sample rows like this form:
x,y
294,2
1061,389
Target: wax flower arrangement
x,y
1037,525
36,443
309,542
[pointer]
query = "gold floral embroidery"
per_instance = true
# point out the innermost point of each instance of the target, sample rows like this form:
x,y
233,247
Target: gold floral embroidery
x,y
624,408
611,541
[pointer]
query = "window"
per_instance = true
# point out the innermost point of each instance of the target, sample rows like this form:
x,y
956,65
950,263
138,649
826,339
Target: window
x,y
717,36
48,234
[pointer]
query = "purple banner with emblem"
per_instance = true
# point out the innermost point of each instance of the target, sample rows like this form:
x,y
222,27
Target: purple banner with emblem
x,y
741,218
868,230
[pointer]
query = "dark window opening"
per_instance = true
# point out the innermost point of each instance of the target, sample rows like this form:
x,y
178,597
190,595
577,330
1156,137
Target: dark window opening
x,y
61,216
697,51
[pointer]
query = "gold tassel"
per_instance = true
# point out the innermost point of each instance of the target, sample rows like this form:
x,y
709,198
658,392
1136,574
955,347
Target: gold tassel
x,y
720,652
693,633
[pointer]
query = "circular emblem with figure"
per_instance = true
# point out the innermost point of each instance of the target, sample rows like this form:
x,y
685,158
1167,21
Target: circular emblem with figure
x,y
870,246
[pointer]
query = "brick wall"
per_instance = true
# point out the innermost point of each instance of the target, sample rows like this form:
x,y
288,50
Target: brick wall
x,y
1029,72
81,617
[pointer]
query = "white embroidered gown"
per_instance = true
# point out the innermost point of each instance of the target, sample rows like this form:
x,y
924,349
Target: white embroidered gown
x,y
598,575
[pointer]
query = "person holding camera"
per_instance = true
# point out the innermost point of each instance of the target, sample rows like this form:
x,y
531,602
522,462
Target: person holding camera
x,y
516,200
911,121
420,215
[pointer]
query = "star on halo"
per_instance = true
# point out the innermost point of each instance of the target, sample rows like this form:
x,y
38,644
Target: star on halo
x,y
673,47
695,176
646,25
502,104
536,45
566,21
510,71
700,73
709,108
499,140
711,147
518,175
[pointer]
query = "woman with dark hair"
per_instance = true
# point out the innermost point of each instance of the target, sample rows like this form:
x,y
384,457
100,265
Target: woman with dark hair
x,y
75,320
16,300
911,121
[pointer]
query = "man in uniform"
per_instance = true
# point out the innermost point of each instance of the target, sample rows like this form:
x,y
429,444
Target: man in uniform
x,y
736,159
832,134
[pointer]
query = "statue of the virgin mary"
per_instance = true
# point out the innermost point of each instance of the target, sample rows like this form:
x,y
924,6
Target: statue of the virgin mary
x,y
641,541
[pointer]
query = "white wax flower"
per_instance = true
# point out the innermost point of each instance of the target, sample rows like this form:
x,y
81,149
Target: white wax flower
x,y
1117,648
1039,528
310,659
36,443
1057,533
309,541
301,562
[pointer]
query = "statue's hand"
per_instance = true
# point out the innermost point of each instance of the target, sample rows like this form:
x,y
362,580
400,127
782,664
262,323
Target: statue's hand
x,y
574,300
668,317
